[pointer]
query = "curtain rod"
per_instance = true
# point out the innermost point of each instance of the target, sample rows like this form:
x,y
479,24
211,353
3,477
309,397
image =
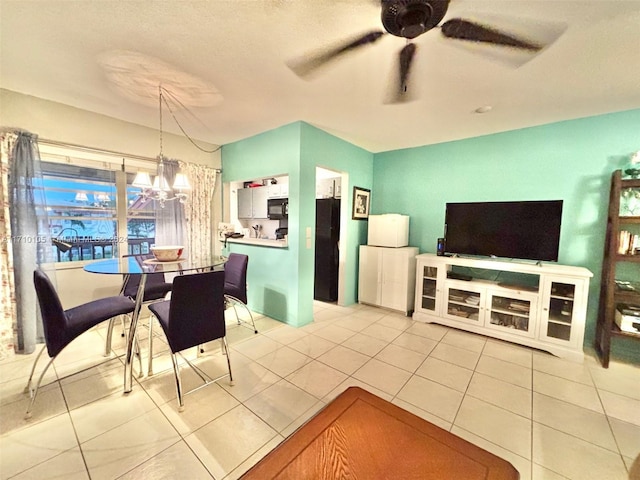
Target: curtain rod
x,y
57,143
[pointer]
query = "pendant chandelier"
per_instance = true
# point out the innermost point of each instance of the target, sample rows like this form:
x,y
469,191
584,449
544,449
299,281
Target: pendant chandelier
x,y
159,189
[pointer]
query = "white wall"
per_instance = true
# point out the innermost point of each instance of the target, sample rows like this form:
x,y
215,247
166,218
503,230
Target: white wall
x,y
55,121
63,123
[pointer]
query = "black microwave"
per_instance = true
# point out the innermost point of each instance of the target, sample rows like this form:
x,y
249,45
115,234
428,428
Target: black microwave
x,y
277,208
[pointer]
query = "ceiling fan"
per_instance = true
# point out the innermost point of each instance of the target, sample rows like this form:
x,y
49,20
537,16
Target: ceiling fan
x,y
410,19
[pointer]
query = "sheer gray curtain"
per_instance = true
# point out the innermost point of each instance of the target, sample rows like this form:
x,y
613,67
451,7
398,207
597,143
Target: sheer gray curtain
x,y
170,220
30,240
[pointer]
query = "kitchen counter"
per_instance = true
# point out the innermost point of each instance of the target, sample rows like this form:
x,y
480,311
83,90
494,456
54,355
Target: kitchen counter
x,y
259,242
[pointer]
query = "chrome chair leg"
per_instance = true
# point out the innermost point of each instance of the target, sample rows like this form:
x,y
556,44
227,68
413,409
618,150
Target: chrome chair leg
x,y
34,394
108,343
27,389
234,301
235,311
176,371
226,351
107,347
139,355
150,366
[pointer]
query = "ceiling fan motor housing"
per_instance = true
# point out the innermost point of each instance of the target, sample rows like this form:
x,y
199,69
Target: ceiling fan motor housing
x,y
410,18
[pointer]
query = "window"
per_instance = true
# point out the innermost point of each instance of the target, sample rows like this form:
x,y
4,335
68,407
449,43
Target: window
x,y
141,220
83,216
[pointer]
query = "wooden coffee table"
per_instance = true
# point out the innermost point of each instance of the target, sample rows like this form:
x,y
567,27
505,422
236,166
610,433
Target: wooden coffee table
x,y
361,436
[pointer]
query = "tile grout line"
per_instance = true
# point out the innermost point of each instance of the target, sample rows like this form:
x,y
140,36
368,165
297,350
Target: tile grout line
x,y
608,418
531,424
466,390
75,430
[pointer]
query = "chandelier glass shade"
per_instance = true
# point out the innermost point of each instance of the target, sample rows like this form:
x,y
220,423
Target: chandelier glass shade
x,y
158,189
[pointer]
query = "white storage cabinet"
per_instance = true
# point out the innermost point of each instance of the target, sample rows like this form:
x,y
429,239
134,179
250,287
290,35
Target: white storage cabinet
x,y
387,277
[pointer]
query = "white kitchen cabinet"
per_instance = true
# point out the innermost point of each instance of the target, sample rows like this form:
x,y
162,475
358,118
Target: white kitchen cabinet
x,y
278,190
540,305
329,188
252,202
260,209
387,277
245,203
324,188
273,191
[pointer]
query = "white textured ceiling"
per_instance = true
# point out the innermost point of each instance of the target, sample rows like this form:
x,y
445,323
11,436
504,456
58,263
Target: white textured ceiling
x,y
228,58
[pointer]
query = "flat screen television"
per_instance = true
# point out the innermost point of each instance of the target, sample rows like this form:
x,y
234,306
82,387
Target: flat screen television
x,y
523,230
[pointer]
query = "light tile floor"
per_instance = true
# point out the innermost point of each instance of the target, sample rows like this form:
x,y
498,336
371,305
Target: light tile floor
x,y
552,419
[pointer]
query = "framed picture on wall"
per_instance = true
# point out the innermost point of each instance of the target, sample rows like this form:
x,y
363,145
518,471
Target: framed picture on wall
x,y
361,198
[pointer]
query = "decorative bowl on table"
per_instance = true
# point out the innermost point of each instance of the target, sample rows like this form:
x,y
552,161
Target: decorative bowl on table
x,y
167,253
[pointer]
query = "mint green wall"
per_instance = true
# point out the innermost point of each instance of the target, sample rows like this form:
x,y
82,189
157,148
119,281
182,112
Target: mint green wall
x,y
320,149
281,280
273,275
570,160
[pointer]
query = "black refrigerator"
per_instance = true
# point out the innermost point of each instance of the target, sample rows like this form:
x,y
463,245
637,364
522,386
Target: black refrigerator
x,y
327,236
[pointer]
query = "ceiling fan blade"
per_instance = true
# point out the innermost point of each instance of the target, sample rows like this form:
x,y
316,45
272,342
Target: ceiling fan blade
x,y
401,92
474,32
306,65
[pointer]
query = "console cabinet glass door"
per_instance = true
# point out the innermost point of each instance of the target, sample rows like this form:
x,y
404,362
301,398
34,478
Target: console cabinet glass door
x,y
429,299
512,312
558,312
463,304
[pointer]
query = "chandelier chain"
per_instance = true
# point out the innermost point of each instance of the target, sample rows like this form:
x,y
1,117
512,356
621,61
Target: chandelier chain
x,y
160,105
178,123
159,188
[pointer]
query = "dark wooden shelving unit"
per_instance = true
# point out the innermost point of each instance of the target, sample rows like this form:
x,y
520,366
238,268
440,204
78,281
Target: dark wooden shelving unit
x,y
610,295
627,258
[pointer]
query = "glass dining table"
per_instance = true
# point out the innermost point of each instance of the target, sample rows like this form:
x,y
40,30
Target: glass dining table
x,y
144,265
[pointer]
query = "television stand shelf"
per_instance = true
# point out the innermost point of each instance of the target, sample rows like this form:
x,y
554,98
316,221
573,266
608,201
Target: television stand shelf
x,y
541,305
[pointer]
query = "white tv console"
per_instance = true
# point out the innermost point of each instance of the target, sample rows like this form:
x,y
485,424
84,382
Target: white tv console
x,y
540,305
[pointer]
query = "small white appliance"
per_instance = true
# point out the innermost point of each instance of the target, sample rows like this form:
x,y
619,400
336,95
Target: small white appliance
x,y
628,318
388,230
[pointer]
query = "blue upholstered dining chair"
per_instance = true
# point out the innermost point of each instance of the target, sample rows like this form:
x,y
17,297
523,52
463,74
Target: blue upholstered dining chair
x,y
235,285
193,316
61,326
155,288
